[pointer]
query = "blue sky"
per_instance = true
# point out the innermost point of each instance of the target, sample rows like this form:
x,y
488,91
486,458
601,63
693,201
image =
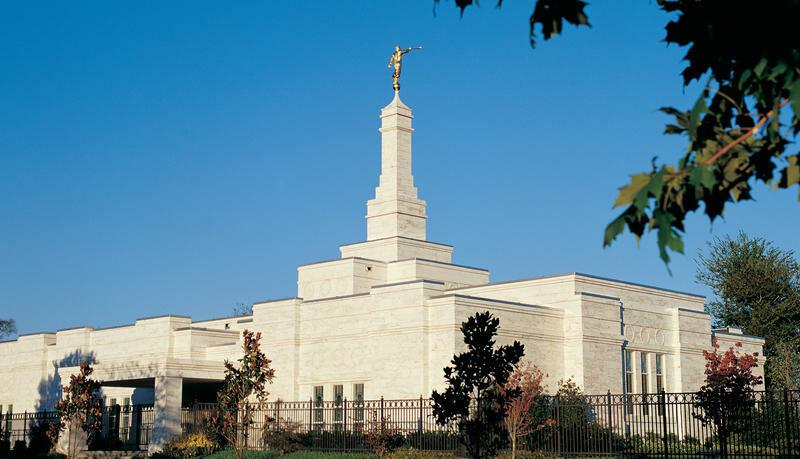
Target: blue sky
x,y
183,157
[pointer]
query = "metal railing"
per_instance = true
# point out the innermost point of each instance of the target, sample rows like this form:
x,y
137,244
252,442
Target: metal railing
x,y
624,425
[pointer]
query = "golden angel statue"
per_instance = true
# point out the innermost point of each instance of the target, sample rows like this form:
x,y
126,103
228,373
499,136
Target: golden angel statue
x,y
397,61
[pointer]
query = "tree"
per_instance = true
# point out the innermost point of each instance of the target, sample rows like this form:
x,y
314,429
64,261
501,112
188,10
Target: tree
x,y
7,327
242,309
80,409
475,376
739,129
728,394
526,383
757,286
242,386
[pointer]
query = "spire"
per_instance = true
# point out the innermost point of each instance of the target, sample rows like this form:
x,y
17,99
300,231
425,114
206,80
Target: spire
x,y
396,211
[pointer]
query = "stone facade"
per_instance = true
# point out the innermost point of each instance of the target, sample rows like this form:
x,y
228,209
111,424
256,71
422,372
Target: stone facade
x,y
384,317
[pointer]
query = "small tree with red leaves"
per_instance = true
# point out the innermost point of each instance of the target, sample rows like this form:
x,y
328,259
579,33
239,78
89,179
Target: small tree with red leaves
x,y
729,392
525,383
244,390
81,408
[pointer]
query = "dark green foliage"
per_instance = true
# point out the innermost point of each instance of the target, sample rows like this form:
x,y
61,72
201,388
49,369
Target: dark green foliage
x,y
736,131
7,327
474,375
40,441
548,14
757,288
741,129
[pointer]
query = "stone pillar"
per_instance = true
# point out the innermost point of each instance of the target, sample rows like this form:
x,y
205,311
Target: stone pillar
x,y
396,210
166,411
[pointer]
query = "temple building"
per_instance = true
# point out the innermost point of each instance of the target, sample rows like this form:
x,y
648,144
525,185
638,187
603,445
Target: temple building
x,y
383,320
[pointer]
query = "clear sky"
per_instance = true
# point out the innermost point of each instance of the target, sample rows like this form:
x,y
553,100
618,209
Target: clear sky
x,y
183,157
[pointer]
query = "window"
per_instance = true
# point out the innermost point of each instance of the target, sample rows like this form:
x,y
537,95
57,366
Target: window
x,y
645,387
660,372
628,380
126,413
358,402
338,398
318,404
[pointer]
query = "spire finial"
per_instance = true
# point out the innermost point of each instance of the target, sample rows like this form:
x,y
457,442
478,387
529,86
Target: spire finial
x,y
397,61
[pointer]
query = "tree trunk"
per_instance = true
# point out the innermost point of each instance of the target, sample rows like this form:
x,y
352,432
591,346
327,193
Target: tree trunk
x,y
513,446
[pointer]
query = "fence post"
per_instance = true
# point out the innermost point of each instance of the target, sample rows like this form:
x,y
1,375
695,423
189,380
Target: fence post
x,y
310,415
610,423
558,426
419,445
788,421
662,400
381,414
278,414
344,415
25,426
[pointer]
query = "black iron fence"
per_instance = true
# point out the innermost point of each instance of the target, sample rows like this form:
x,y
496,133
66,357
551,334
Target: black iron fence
x,y
124,428
640,425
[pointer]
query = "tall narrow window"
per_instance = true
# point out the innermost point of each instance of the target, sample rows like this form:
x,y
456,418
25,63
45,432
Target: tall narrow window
x,y
660,372
645,387
628,380
318,404
338,399
126,417
358,402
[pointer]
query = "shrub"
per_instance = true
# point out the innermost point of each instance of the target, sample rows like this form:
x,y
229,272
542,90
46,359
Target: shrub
x,y
282,435
20,449
192,445
416,454
381,436
40,440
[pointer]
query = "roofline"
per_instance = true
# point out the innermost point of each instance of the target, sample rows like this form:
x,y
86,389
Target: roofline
x,y
492,300
440,263
332,260
589,276
397,237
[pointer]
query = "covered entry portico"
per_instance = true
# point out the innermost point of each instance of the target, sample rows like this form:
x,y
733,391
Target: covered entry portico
x,y
169,384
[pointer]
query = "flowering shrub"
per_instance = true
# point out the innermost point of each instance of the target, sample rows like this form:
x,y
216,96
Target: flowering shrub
x,y
729,391
244,390
188,446
524,386
80,407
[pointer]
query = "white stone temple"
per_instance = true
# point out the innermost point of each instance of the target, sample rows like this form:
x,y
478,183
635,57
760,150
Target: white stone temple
x,y
383,320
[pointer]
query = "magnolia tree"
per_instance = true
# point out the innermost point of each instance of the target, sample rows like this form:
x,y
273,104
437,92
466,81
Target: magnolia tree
x,y
472,398
525,385
81,409
729,391
243,391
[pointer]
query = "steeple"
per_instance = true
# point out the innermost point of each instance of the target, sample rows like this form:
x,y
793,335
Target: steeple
x,y
396,217
396,210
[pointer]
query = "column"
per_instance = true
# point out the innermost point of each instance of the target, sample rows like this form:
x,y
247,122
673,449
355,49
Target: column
x,y
166,411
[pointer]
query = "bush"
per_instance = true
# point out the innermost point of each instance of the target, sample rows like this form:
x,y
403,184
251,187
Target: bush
x,y
40,439
5,448
282,435
20,449
192,445
431,441
416,454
